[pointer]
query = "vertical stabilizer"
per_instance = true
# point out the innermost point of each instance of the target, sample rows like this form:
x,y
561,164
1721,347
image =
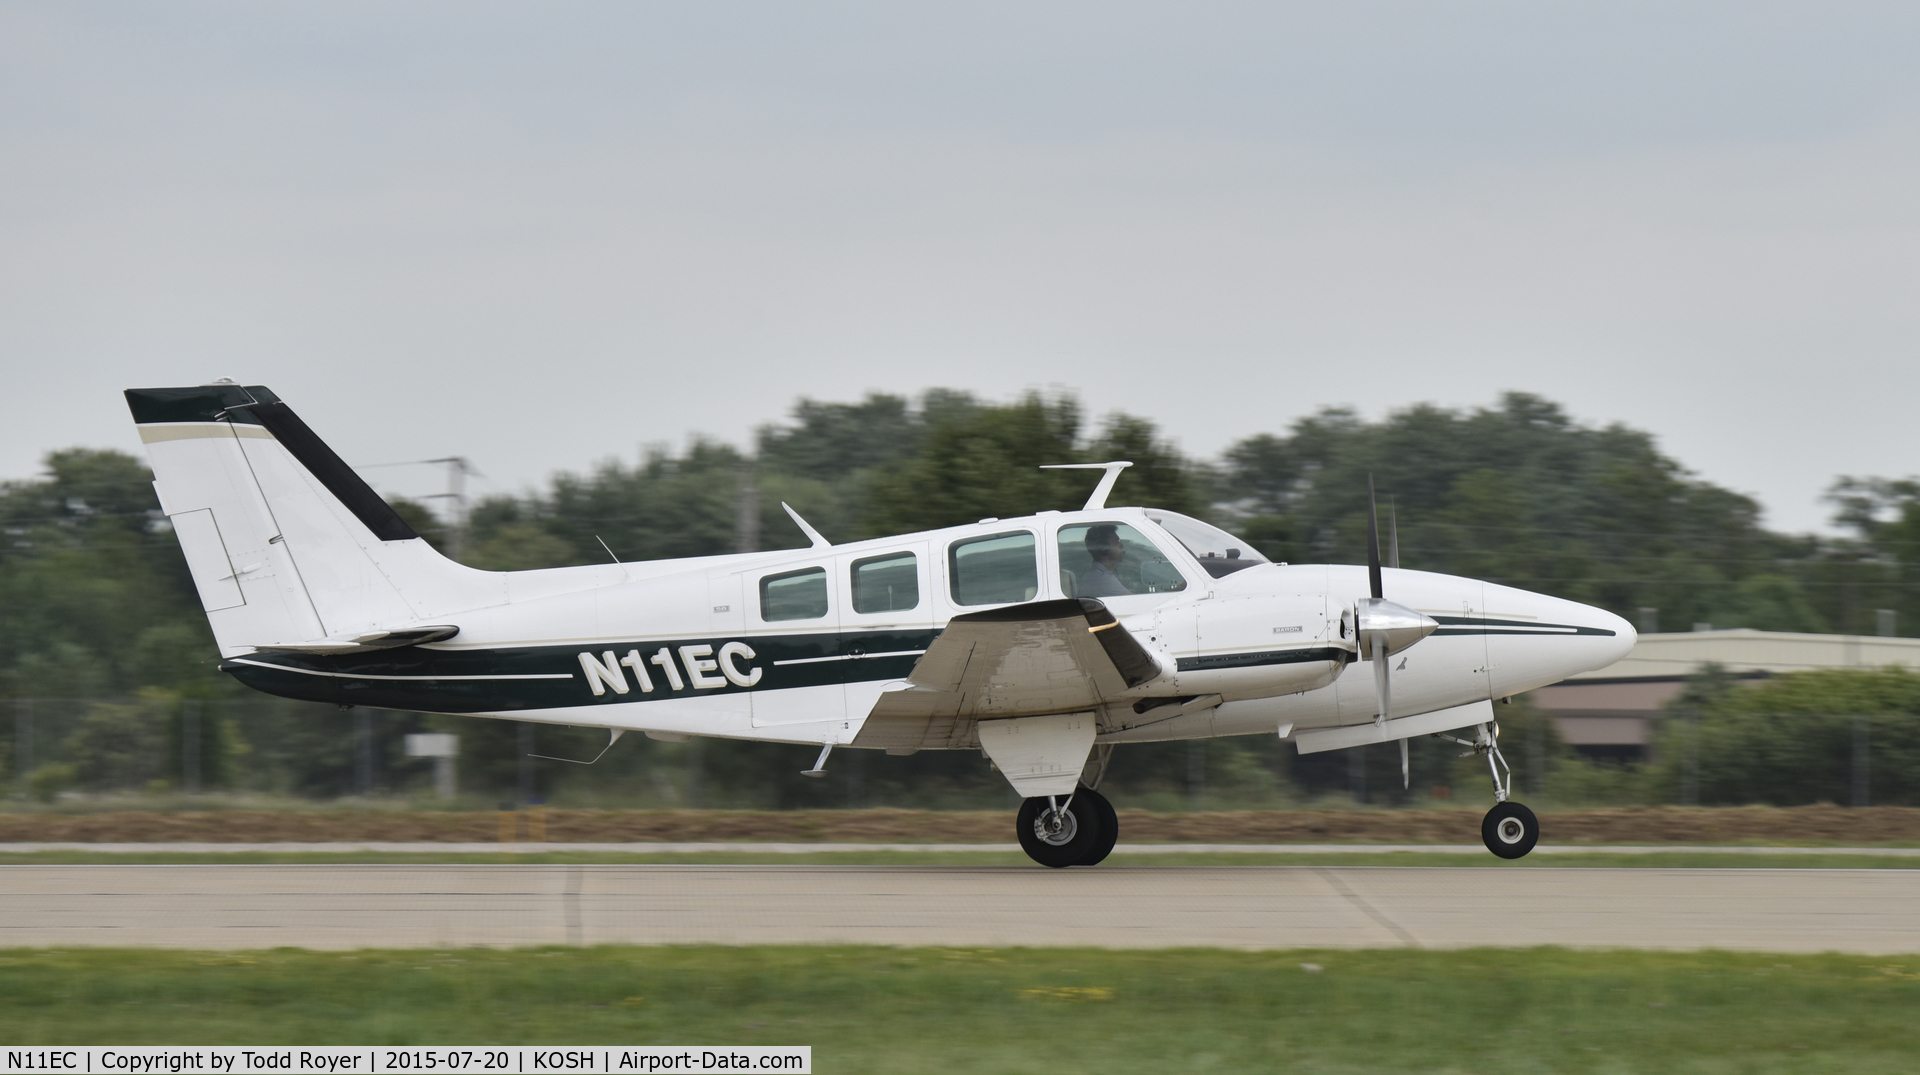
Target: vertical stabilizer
x,y
287,545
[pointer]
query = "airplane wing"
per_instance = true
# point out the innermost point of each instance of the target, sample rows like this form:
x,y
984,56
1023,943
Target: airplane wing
x,y
1062,656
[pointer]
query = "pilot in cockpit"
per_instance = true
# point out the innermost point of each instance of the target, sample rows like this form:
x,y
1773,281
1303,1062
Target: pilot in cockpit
x,y
1106,549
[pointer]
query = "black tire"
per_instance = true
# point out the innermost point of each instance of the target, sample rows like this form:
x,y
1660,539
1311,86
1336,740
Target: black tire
x,y
1109,827
1078,834
1510,830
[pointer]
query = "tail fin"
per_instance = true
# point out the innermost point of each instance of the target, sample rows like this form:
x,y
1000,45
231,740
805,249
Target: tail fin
x,y
288,546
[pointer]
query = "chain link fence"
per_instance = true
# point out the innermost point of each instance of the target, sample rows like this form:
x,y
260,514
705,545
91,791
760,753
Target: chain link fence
x,y
158,743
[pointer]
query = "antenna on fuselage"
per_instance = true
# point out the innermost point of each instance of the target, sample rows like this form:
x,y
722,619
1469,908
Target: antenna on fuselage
x,y
617,563
1099,498
812,534
616,560
613,736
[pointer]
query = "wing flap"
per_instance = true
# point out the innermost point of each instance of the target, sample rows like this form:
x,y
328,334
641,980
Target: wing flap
x,y
1036,659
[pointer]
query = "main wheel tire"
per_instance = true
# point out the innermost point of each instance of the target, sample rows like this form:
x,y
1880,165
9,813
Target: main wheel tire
x,y
1510,830
1109,827
1063,845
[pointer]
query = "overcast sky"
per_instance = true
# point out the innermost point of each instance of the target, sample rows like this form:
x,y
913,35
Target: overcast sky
x,y
539,235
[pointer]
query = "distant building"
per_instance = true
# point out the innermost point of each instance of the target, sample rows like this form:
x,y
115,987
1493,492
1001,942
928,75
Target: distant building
x,y
1610,713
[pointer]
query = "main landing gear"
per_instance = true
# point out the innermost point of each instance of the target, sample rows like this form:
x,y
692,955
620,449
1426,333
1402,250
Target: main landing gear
x,y
1072,830
1509,829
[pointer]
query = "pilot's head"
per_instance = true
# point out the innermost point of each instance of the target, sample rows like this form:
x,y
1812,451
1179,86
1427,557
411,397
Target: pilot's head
x,y
1103,544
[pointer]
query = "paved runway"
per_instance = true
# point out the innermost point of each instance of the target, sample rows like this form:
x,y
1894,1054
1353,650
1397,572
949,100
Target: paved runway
x,y
737,847
329,906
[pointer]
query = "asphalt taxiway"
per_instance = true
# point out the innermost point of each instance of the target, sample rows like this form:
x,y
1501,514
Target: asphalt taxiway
x,y
329,906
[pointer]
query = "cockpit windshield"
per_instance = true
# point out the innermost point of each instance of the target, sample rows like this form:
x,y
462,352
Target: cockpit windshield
x,y
1218,551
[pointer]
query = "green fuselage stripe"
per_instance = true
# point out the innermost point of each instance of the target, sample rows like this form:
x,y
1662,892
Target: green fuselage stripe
x,y
551,677
1480,625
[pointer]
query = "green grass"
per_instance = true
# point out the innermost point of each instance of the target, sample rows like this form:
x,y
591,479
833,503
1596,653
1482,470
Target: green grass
x,y
1011,1010
1651,859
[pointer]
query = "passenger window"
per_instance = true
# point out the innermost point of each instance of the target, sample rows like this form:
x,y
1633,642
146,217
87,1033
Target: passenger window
x,y
1113,560
796,595
994,570
889,583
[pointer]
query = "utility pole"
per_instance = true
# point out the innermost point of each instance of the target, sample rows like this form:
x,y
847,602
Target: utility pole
x,y
692,761
1850,631
1690,760
362,751
190,746
1196,772
23,738
1862,733
458,471
526,762
1537,752
746,518
856,784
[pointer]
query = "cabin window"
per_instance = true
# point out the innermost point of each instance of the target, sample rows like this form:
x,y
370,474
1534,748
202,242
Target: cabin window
x,y
994,570
1113,560
889,583
795,595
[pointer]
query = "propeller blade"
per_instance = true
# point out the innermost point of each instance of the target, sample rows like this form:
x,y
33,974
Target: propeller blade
x,y
1404,779
1385,627
1373,541
1393,535
1380,685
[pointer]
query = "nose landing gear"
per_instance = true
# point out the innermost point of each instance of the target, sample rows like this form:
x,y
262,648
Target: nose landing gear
x,y
1509,829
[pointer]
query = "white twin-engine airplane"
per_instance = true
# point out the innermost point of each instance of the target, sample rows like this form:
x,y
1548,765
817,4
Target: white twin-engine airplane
x,y
1043,642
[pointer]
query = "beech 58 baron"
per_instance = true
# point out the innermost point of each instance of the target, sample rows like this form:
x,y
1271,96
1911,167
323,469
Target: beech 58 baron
x,y
1043,642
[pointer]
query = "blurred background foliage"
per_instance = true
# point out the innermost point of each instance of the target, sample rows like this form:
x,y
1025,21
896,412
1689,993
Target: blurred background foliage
x,y
104,652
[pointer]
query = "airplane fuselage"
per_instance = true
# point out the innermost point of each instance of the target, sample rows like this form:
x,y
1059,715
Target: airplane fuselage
x,y
711,646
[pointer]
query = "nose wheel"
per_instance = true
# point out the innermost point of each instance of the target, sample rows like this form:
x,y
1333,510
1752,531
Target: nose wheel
x,y
1510,830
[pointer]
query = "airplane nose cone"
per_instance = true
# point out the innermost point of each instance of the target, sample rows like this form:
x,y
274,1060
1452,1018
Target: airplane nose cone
x,y
1534,640
1624,636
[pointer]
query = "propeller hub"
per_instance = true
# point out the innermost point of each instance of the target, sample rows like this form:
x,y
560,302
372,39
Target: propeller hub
x,y
1389,627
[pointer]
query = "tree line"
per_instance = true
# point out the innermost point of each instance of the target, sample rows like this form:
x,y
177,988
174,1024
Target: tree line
x,y
1516,493
96,603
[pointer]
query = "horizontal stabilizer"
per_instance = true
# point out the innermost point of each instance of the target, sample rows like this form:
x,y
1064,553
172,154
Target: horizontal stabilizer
x,y
415,636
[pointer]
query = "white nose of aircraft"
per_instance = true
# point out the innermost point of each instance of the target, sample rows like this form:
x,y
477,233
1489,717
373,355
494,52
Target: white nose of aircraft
x,y
1534,640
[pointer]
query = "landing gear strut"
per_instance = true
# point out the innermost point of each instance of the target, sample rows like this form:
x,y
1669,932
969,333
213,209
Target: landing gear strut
x,y
1509,829
1060,831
